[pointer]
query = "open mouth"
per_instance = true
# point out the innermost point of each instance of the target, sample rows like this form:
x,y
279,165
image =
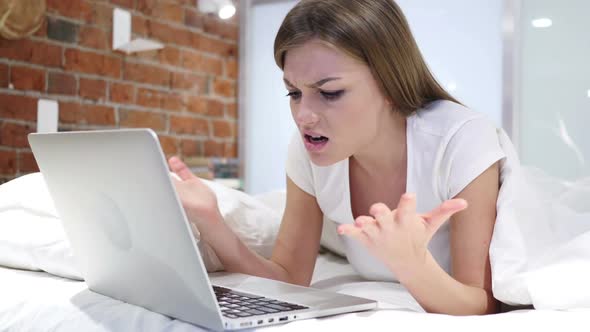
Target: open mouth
x,y
316,140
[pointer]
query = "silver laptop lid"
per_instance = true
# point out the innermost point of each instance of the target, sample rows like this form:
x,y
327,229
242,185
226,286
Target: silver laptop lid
x,y
124,220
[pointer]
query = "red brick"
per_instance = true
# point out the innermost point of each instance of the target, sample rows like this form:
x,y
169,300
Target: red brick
x,y
191,148
224,88
123,3
231,150
214,108
169,145
163,10
86,114
93,37
149,98
18,107
70,112
231,32
231,111
170,56
93,89
169,12
27,162
146,6
76,9
99,115
223,128
173,102
200,105
186,81
191,60
3,75
199,62
160,99
146,74
15,135
188,125
61,84
152,56
216,149
92,63
169,34
231,68
223,29
139,119
26,78
197,105
185,2
211,65
7,162
102,15
139,25
217,46
31,51
193,18
121,93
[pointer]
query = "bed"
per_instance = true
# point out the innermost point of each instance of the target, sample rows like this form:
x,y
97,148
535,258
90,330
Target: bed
x,y
40,291
39,301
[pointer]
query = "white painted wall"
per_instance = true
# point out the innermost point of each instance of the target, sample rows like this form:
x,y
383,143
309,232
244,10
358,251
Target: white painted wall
x,y
460,39
269,125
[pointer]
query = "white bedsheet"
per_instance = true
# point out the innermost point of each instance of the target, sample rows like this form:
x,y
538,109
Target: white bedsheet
x,y
37,301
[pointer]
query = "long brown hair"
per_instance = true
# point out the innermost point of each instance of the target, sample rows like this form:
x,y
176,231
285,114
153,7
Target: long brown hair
x,y
375,32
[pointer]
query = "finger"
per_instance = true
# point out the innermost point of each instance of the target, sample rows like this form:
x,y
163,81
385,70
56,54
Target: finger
x,y
180,168
378,209
175,177
360,221
406,208
382,214
371,229
443,212
354,232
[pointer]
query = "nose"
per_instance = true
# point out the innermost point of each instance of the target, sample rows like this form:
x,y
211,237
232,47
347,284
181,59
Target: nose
x,y
305,116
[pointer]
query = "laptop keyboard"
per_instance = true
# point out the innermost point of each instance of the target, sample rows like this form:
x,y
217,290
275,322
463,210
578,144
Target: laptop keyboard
x,y
235,304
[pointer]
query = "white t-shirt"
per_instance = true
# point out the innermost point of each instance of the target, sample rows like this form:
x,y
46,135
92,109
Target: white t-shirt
x,y
448,146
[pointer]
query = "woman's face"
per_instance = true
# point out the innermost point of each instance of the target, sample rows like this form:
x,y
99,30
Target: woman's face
x,y
335,102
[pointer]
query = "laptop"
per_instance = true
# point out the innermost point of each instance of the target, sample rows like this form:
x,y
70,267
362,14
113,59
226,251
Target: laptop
x,y
133,242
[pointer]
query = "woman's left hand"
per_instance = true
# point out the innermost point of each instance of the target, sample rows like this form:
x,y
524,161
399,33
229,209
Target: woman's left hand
x,y
400,237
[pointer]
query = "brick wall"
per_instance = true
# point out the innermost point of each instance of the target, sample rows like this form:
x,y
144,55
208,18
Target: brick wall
x,y
186,92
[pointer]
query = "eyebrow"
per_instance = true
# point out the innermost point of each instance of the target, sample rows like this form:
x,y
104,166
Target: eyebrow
x,y
316,84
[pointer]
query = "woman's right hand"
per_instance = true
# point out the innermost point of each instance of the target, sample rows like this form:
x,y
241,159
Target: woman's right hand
x,y
199,201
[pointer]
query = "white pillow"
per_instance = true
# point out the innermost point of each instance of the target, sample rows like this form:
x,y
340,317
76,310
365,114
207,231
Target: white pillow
x,y
32,237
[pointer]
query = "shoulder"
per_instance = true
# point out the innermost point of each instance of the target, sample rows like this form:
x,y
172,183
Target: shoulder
x,y
443,119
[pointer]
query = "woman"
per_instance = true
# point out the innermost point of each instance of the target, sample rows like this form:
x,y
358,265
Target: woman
x,y
381,150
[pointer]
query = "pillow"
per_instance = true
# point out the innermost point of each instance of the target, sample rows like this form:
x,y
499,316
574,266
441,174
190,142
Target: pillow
x,y
32,237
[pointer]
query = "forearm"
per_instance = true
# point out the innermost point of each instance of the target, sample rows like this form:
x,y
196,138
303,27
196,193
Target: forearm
x,y
235,256
438,292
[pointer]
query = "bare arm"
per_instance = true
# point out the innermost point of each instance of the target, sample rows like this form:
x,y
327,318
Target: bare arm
x,y
468,291
400,239
295,250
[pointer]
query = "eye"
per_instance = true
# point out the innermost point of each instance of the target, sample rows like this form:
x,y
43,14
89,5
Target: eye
x,y
294,95
332,95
